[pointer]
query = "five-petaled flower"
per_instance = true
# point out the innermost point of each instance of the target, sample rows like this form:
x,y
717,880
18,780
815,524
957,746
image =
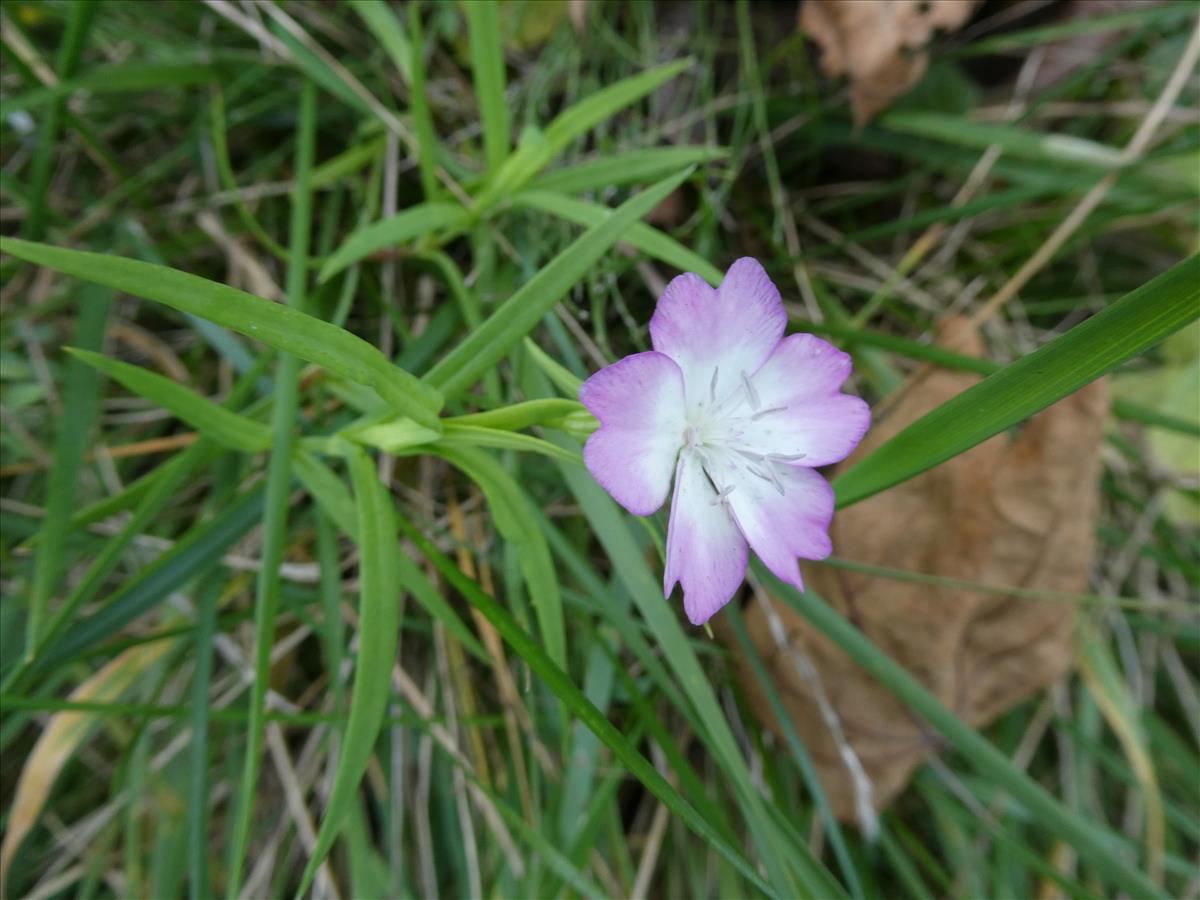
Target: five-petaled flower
x,y
741,415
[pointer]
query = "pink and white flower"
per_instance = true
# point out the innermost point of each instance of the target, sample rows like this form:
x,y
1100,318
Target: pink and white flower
x,y
741,415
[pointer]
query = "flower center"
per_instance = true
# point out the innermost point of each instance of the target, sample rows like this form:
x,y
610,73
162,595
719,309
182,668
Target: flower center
x,y
715,431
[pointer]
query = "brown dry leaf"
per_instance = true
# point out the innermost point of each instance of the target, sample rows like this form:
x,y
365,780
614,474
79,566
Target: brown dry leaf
x,y
1013,513
878,44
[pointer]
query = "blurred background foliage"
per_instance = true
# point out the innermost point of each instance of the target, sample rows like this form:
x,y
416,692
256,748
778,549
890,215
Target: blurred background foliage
x,y
402,170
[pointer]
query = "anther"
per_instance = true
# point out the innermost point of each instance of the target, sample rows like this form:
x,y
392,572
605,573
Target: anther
x,y
712,386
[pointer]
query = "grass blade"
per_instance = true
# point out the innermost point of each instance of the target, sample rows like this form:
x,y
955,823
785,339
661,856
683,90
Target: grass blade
x,y
215,422
81,400
79,23
538,149
379,623
192,555
278,488
635,167
560,683
281,327
383,23
487,67
518,315
515,519
644,237
398,229
1130,326
60,739
1091,842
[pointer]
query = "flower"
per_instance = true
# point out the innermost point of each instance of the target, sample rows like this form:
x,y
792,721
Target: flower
x,y
741,415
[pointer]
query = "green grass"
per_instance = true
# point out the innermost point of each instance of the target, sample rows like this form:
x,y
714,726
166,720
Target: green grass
x,y
289,355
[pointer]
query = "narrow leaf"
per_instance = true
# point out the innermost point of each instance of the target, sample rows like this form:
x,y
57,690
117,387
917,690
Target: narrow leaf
x,y
392,232
379,623
223,426
518,315
644,237
1130,326
278,326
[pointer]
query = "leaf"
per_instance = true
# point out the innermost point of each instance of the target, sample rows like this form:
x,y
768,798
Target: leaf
x,y
644,237
521,312
116,79
514,517
1123,713
1130,326
278,326
487,69
62,736
391,232
474,436
618,170
878,43
1019,514
192,555
81,403
386,28
378,631
223,426
519,415
332,496
560,683
538,149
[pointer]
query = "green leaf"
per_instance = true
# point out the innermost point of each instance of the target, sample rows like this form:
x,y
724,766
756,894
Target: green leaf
x,y
427,141
487,68
644,237
391,232
560,683
519,415
379,625
268,585
539,149
81,403
383,23
278,326
332,496
514,515
1130,326
474,436
194,554
635,167
518,315
115,79
223,426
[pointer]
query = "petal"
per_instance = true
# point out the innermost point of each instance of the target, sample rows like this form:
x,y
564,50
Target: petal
x,y
801,413
814,432
705,550
639,402
730,330
780,527
801,366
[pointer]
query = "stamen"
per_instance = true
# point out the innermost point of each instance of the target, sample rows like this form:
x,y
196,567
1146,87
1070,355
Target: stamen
x,y
722,496
750,392
766,412
712,386
785,457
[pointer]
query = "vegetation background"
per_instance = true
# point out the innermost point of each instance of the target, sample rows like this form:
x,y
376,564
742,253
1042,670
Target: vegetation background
x,y
218,514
